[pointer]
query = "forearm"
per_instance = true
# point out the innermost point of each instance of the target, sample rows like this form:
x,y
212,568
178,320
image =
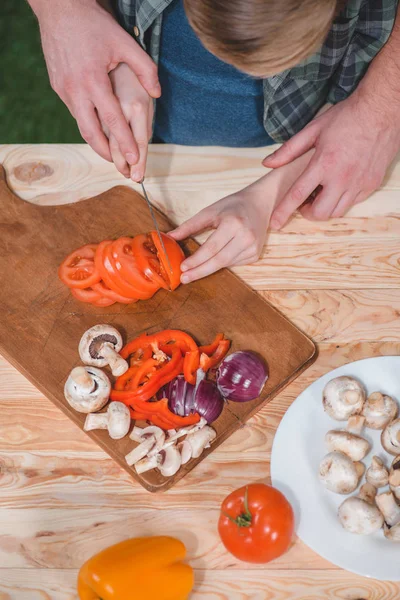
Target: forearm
x,y
272,187
380,87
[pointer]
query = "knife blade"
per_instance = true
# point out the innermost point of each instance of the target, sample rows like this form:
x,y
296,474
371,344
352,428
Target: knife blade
x,y
153,216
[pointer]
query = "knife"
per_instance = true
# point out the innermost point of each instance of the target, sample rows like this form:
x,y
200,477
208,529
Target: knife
x,y
153,216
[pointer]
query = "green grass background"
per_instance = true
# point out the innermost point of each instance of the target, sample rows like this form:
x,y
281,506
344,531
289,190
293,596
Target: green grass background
x,y
30,112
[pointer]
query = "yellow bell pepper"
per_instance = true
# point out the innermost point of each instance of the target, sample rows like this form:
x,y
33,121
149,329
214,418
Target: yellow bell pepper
x,y
137,569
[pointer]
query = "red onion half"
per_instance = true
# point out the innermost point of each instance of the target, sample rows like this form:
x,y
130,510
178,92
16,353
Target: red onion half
x,y
185,399
241,376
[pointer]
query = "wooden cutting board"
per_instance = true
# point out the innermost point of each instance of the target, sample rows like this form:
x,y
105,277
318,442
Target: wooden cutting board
x,y
41,324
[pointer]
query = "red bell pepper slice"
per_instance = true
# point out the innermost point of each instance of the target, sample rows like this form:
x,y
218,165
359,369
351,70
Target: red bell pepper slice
x,y
190,365
208,362
211,348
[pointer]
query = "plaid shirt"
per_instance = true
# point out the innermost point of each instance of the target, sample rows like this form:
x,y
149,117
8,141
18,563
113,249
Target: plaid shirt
x,y
292,98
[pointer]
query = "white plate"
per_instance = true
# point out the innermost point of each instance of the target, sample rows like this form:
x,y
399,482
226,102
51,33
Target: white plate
x,y
296,453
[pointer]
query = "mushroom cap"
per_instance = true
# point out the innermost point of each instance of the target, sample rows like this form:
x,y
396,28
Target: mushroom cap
x,y
343,397
377,474
379,410
85,401
390,437
390,510
354,446
119,420
358,516
339,473
91,341
169,461
201,439
394,477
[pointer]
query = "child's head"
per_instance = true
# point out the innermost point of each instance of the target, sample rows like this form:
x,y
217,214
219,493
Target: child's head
x,y
262,37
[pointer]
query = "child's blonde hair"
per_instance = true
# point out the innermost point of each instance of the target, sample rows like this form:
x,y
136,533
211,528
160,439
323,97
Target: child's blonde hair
x,y
262,37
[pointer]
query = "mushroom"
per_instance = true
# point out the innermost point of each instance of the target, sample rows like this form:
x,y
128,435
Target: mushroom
x,y
186,451
146,464
200,440
117,420
343,397
140,451
169,461
99,346
394,477
359,514
139,434
390,437
348,441
379,410
391,512
377,474
87,389
339,473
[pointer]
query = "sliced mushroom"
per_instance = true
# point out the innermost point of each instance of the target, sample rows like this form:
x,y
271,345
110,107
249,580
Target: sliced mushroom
x,y
201,439
87,389
140,451
391,511
100,345
117,420
394,477
170,461
140,434
186,451
147,464
390,437
377,474
348,441
359,514
343,397
379,410
339,473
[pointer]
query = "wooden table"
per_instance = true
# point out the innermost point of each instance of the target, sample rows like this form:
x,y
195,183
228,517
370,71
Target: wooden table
x,y
62,499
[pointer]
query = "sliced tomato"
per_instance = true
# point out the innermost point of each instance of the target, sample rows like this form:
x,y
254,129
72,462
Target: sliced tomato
x,y
105,291
89,295
78,270
145,254
109,274
104,302
128,269
174,253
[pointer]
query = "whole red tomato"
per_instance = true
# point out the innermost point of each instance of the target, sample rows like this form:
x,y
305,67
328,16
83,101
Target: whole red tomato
x,y
256,523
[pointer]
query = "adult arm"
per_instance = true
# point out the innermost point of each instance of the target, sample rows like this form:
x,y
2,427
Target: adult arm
x,y
355,142
82,43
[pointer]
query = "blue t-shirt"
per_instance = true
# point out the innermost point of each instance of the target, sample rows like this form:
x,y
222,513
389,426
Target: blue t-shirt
x,y
204,102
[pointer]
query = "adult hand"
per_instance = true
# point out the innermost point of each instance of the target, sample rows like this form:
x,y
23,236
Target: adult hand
x,y
82,43
240,222
137,107
355,142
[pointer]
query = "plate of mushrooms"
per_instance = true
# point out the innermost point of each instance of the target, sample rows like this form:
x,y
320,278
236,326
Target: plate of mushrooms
x,y
336,457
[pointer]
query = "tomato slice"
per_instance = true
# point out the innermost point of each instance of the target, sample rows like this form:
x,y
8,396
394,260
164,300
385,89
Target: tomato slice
x,y
104,302
146,257
129,270
78,270
105,291
89,295
108,272
175,255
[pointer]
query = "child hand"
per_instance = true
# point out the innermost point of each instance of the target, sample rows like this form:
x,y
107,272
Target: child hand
x,y
137,107
240,222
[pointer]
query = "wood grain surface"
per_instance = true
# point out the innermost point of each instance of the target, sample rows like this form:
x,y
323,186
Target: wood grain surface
x,y
62,498
42,323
